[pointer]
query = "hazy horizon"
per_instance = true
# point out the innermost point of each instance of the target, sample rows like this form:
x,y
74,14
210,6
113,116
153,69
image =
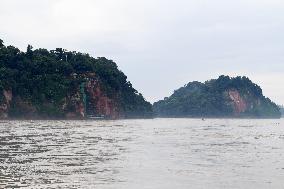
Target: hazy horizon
x,y
160,45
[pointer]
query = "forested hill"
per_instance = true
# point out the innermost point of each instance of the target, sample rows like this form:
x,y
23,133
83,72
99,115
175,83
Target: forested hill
x,y
282,110
222,97
63,84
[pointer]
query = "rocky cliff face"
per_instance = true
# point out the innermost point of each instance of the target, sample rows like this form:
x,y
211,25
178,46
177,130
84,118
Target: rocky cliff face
x,y
98,104
239,104
88,100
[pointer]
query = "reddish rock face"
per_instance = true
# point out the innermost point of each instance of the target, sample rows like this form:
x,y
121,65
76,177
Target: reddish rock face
x,y
98,101
103,105
239,103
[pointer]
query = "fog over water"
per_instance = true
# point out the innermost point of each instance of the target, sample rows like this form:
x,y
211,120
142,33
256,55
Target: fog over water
x,y
152,154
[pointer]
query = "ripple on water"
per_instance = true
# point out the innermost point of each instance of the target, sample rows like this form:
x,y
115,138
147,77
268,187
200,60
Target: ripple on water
x,y
159,153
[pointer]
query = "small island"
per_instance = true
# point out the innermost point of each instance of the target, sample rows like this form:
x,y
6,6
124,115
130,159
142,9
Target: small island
x,y
59,84
236,97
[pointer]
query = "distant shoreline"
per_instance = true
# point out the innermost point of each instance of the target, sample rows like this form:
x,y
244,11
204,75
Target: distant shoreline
x,y
143,118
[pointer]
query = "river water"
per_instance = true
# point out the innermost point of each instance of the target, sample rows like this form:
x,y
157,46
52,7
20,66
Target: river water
x,y
143,154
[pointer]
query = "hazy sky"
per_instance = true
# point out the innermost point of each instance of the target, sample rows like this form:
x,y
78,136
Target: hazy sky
x,y
160,44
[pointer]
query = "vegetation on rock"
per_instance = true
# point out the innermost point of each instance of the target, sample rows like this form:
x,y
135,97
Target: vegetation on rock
x,y
222,97
47,84
282,110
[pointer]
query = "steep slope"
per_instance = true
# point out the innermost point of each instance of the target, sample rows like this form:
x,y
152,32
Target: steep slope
x,y
222,97
282,110
42,84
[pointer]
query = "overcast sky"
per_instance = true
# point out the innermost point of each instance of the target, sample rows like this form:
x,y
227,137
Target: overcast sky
x,y
160,44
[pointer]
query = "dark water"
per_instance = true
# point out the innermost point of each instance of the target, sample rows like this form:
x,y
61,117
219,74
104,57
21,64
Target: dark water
x,y
134,154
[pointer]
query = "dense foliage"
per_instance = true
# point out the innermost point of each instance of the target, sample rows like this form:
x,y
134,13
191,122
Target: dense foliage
x,y
211,99
44,78
282,110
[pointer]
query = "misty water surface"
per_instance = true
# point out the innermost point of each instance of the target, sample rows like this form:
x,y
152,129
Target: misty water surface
x,y
134,154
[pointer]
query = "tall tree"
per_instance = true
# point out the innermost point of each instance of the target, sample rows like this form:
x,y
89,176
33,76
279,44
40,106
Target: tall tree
x,y
1,43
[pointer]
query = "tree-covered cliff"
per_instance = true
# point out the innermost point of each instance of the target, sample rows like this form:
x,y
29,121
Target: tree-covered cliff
x,y
63,84
222,97
282,110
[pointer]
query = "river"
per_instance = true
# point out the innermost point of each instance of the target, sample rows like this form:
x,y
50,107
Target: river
x,y
143,154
